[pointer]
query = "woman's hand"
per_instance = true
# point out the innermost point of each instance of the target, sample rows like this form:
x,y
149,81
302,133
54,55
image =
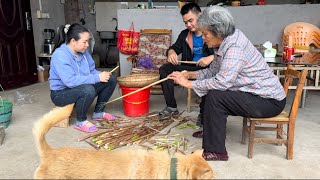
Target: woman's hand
x,y
180,78
104,76
205,61
172,57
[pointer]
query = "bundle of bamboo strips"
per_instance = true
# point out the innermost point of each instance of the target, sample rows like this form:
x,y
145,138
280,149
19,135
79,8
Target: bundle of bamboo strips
x,y
171,142
127,131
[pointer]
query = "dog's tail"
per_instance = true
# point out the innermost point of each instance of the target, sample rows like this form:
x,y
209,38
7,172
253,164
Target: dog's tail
x,y
43,125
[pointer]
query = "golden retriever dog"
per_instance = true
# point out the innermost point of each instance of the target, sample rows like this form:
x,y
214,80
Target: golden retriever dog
x,y
77,163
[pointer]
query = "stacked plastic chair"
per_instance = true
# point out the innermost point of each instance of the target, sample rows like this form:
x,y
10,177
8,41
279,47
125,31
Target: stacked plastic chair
x,y
304,35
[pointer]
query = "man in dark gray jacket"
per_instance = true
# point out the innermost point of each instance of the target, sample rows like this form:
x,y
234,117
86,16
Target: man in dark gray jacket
x,y
192,48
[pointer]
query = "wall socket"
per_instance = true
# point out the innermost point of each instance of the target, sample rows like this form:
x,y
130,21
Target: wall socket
x,y
42,15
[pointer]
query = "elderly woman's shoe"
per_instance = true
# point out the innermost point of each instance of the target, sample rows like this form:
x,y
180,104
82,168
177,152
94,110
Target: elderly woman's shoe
x,y
212,156
198,134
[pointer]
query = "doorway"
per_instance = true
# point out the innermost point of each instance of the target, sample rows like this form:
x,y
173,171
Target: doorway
x,y
17,52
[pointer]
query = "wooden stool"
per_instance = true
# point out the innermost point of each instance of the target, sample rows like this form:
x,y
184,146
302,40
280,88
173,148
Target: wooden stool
x,y
189,102
156,90
62,124
189,96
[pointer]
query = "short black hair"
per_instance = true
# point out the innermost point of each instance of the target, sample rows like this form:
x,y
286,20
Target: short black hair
x,y
190,7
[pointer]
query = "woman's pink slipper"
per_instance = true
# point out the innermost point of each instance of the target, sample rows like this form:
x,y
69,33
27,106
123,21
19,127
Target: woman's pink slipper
x,y
105,116
87,127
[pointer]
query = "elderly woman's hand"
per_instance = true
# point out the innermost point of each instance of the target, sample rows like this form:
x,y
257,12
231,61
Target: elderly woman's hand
x,y
205,61
179,78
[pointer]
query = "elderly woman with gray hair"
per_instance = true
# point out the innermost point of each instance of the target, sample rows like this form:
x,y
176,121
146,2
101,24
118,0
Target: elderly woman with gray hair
x,y
238,82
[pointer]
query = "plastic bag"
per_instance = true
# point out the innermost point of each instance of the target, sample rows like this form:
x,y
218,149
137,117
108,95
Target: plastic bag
x,y
128,40
146,62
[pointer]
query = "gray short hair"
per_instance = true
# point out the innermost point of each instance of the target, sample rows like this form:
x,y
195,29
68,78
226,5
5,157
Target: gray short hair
x,y
217,20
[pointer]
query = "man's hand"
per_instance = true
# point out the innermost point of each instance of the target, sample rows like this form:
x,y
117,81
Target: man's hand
x,y
205,61
179,78
104,76
172,57
185,74
189,74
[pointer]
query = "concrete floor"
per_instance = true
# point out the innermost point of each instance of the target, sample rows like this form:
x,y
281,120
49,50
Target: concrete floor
x,y
19,158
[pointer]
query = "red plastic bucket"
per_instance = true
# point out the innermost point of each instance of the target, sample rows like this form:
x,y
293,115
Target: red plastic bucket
x,y
136,104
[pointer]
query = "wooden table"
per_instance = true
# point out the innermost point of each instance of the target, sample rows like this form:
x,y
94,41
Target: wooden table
x,y
309,61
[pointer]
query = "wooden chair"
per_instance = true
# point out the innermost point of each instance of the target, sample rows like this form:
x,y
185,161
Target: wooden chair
x,y
282,118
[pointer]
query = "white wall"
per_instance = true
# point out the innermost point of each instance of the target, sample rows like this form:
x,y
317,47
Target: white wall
x,y
259,23
105,11
56,12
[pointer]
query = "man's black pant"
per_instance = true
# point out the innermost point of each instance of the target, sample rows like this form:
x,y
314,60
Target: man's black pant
x,y
168,86
220,104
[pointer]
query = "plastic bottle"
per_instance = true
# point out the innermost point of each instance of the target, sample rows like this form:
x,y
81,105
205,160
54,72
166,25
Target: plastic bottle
x,y
290,49
284,53
150,4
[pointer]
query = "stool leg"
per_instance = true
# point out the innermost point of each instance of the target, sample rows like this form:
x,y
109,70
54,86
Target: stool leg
x,y
251,138
290,136
244,130
279,132
303,97
189,100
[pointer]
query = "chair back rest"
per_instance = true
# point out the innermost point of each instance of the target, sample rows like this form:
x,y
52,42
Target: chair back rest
x,y
304,34
155,42
289,75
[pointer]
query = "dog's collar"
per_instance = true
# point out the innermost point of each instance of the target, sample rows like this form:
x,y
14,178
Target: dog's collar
x,y
173,168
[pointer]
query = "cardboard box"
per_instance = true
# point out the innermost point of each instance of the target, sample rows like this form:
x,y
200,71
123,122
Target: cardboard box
x,y
43,75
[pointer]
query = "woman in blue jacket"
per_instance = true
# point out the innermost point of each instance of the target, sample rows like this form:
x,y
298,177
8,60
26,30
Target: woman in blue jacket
x,y
74,78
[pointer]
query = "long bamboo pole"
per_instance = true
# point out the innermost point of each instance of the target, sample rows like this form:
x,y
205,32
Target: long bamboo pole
x,y
114,69
187,62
